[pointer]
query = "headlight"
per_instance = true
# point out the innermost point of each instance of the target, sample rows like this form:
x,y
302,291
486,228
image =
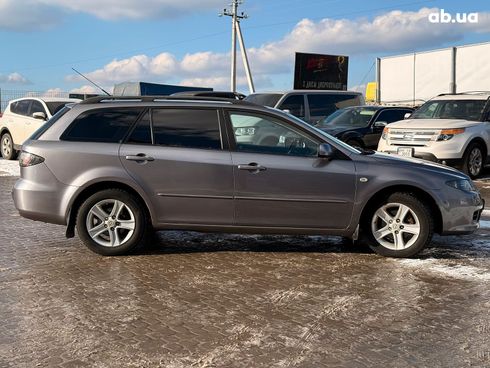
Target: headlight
x,y
385,133
245,131
463,184
447,134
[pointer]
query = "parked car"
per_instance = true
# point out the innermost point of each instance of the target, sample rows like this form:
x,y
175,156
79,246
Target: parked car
x,y
361,126
24,116
308,105
452,129
119,168
219,94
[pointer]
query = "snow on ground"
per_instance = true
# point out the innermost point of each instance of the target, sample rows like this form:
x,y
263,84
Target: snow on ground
x,y
9,168
442,268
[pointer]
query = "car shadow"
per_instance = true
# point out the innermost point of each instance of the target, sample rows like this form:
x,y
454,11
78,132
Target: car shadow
x,y
179,242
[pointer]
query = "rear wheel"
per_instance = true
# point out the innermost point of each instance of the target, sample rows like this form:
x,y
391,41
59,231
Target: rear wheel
x,y
399,226
7,147
473,160
112,222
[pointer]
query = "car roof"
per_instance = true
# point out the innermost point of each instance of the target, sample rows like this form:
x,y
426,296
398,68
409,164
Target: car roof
x,y
378,107
325,91
477,95
48,99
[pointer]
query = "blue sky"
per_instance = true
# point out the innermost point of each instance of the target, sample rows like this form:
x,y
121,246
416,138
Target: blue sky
x,y
166,41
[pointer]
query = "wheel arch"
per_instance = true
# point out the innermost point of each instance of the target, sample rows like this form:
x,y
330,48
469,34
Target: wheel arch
x,y
416,191
481,142
94,188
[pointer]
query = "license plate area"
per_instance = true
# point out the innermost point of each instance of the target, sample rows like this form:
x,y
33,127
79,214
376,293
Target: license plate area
x,y
405,151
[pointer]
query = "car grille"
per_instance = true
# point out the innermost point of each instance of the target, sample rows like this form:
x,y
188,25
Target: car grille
x,y
403,137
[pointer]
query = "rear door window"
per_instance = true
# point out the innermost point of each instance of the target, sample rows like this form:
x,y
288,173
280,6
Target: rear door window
x,y
324,104
103,125
189,128
21,107
390,116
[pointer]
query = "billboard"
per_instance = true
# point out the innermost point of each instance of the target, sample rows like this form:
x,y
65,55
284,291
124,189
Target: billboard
x,y
316,71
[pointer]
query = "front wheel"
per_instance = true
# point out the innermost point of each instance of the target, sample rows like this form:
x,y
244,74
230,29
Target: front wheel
x,y
112,222
400,226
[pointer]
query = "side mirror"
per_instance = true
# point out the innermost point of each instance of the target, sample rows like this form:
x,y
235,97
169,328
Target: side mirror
x,y
407,115
39,115
325,151
380,124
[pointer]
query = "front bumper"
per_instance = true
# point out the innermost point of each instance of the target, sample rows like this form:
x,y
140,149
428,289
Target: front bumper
x,y
461,212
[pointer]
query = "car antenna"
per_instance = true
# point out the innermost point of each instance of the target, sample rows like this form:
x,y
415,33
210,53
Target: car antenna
x,y
95,84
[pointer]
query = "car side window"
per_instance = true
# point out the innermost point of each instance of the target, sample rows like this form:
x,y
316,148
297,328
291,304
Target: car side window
x,y
189,128
257,133
102,125
295,104
392,115
21,107
36,107
141,133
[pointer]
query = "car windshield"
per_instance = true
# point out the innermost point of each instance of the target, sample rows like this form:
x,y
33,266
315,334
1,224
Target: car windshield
x,y
451,109
55,106
355,117
264,99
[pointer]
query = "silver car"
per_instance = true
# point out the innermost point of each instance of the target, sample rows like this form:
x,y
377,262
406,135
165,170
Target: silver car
x,y
117,169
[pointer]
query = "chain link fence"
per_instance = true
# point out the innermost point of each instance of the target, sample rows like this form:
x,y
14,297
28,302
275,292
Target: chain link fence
x,y
6,95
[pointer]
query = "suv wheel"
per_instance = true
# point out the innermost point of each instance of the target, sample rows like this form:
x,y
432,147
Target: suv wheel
x,y
473,160
400,226
112,222
7,147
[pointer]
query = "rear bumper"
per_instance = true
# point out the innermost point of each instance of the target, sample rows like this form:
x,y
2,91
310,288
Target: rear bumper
x,y
44,199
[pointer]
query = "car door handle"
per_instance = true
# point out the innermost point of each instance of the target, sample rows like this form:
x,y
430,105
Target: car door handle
x,y
253,166
140,157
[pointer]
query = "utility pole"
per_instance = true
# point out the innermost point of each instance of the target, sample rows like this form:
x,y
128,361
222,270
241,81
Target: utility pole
x,y
236,30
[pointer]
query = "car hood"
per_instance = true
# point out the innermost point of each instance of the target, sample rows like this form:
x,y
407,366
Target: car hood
x,y
335,130
388,159
433,124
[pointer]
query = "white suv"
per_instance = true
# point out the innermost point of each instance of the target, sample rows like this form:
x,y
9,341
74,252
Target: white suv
x,y
24,116
453,129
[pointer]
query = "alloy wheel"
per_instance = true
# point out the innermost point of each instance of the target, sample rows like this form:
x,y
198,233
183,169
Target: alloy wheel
x,y
475,161
110,223
6,146
395,226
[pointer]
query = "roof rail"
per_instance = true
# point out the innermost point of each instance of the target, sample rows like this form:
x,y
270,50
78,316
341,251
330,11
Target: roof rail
x,y
465,93
100,99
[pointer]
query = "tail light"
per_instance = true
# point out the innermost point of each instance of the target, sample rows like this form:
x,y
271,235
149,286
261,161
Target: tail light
x,y
29,159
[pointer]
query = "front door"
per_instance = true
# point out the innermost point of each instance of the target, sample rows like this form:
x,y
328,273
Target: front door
x,y
280,181
176,156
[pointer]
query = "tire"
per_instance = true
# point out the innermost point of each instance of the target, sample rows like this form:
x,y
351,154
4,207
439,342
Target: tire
x,y
409,232
7,147
117,221
474,160
354,143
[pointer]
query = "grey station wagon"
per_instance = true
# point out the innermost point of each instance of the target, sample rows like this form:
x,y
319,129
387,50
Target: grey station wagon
x,y
118,168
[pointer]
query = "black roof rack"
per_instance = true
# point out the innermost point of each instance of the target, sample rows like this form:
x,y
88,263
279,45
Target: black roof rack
x,y
99,99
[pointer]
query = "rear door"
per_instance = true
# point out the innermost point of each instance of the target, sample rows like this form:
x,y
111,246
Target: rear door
x,y
282,183
17,120
177,156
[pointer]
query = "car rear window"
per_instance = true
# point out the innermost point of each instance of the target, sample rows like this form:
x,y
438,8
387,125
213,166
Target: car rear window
x,y
38,133
103,125
190,128
55,106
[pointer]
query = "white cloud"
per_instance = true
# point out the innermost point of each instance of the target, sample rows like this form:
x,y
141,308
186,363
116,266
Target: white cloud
x,y
28,15
395,31
14,78
85,89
